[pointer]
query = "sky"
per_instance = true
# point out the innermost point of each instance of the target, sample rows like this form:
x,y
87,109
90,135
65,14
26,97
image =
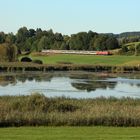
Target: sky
x,y
71,16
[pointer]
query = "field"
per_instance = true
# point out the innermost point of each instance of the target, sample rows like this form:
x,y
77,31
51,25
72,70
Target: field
x,y
88,59
69,133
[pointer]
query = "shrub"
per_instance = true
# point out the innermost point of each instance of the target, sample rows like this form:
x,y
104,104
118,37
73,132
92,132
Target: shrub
x,y
26,59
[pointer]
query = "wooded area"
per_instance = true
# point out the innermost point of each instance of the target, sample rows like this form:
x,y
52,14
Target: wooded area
x,y
31,40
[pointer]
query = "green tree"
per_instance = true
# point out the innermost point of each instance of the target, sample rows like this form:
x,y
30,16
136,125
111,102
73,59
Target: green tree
x,y
10,38
12,53
35,45
8,52
92,46
79,41
22,35
42,43
28,44
105,42
112,43
58,37
32,33
137,49
100,43
124,49
3,52
75,43
2,37
56,45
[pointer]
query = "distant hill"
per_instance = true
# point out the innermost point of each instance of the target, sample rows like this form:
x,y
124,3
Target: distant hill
x,y
125,34
129,34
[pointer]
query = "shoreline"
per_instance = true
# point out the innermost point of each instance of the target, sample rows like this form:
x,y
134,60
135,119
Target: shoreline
x,y
18,66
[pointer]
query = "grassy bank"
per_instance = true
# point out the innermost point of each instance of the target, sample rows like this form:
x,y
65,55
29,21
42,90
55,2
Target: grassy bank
x,y
38,110
88,62
88,59
29,66
69,133
63,62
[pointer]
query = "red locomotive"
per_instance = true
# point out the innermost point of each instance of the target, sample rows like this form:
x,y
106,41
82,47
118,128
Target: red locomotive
x,y
103,53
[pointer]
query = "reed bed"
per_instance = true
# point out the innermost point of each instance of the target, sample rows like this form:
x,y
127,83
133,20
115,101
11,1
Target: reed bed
x,y
38,110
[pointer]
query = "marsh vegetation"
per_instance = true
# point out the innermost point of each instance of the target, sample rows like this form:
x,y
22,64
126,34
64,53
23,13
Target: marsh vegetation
x,y
38,110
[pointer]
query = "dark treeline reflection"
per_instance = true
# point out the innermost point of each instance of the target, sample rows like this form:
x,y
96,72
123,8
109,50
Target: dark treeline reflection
x,y
91,82
5,80
92,86
79,80
104,81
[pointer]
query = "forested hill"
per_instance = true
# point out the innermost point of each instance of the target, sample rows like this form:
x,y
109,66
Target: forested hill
x,y
129,34
126,37
125,34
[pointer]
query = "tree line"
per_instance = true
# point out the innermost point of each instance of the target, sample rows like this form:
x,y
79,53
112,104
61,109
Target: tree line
x,y
29,40
37,40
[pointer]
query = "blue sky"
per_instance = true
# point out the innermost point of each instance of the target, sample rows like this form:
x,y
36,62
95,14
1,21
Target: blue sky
x,y
70,16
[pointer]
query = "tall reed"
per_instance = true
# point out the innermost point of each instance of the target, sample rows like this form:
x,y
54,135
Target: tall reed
x,y
38,110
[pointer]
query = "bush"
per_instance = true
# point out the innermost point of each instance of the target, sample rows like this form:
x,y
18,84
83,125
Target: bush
x,y
26,59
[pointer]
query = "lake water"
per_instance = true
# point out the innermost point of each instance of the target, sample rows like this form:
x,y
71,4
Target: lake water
x,y
71,84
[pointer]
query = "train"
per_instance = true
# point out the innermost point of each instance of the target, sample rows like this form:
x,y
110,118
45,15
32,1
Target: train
x,y
77,52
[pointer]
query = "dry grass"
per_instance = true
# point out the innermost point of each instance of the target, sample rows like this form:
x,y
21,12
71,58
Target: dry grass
x,y
38,110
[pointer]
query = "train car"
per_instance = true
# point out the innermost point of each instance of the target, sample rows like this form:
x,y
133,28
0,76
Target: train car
x,y
103,53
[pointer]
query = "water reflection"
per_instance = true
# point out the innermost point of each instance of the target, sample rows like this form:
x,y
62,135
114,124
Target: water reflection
x,y
92,86
6,80
72,84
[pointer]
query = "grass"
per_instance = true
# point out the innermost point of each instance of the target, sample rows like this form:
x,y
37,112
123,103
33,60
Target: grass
x,y
69,133
38,110
89,59
132,44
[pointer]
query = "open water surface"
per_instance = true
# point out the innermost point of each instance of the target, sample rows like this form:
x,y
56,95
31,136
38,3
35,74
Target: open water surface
x,y
71,84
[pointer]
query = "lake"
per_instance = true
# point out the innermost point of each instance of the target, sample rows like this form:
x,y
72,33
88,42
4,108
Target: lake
x,y
74,84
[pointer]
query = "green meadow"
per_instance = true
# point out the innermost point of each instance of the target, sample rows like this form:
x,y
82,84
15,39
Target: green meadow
x,y
88,59
69,133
